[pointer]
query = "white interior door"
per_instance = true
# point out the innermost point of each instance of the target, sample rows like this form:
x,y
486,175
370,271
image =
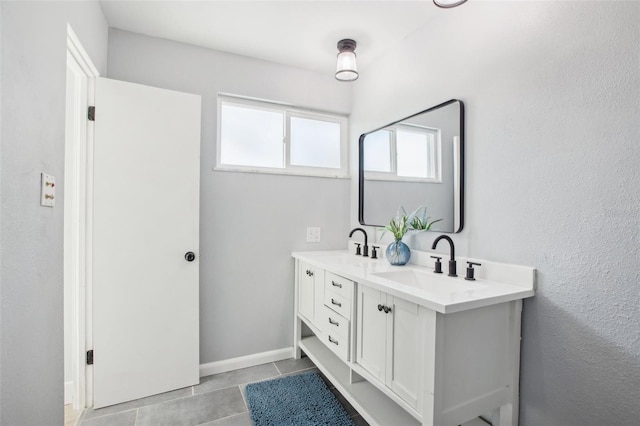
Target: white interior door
x,y
146,218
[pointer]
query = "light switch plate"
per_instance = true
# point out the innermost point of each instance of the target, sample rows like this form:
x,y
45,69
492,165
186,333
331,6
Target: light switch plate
x,y
47,190
313,234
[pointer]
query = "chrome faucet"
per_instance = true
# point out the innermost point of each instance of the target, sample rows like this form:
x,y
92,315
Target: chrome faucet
x,y
365,249
452,254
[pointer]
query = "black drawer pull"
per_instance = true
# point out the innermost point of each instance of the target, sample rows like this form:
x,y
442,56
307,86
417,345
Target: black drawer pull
x,y
335,342
380,307
335,284
338,304
332,322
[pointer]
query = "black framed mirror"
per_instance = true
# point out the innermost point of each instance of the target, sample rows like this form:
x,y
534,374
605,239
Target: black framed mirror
x,y
415,162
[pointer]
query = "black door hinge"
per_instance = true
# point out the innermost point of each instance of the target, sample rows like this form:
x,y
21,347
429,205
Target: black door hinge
x,y
91,115
90,357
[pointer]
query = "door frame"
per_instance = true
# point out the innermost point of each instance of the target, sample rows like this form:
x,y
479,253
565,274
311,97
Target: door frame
x,y
78,197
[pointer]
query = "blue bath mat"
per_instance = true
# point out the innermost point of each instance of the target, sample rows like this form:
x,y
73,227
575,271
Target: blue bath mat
x,y
300,400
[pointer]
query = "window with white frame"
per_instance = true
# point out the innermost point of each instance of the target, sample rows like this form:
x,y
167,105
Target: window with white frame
x,y
403,152
273,138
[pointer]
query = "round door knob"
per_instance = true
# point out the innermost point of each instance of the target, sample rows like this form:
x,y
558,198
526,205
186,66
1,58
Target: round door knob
x,y
380,307
190,256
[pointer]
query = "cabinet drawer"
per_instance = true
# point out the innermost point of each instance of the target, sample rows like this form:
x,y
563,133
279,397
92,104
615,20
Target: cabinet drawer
x,y
335,324
338,344
338,285
338,303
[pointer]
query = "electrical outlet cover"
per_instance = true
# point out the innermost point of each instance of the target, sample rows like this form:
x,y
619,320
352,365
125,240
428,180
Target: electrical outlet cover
x,y
47,190
313,234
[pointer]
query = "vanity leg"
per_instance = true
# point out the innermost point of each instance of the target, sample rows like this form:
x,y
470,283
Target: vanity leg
x,y
508,413
297,323
297,335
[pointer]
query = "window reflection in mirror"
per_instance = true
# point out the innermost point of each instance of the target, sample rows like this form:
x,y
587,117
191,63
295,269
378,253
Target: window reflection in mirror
x,y
415,162
403,152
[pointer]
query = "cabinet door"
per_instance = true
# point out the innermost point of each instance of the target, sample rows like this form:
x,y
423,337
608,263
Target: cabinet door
x,y
310,293
404,345
371,331
306,291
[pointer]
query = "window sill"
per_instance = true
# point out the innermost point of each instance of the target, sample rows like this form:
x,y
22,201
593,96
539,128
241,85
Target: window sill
x,y
323,174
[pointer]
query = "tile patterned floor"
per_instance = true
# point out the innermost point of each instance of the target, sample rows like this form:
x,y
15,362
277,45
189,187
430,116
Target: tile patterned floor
x,y
218,400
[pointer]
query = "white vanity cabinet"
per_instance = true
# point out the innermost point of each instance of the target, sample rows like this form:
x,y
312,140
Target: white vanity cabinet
x,y
408,347
390,338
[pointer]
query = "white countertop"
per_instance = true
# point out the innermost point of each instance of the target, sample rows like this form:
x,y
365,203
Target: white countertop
x,y
421,285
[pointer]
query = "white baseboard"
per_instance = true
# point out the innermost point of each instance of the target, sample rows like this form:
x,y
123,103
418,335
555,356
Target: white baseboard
x,y
68,393
245,361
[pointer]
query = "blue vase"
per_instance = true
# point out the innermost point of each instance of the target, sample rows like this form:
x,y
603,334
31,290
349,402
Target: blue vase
x,y
398,253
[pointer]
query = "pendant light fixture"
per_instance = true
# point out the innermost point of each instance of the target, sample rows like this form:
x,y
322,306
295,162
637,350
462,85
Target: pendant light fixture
x,y
346,70
448,4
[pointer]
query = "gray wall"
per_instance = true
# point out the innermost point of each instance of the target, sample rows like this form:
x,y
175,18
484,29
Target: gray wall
x,y
552,93
1,240
33,83
250,222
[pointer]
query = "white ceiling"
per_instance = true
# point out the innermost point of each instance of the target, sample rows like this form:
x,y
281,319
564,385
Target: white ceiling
x,y
301,33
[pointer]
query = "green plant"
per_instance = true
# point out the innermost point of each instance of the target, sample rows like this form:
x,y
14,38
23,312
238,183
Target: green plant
x,y
398,226
403,223
419,220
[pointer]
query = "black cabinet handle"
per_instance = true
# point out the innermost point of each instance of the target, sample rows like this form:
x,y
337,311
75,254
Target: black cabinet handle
x,y
335,342
309,273
190,256
335,284
332,322
384,308
338,304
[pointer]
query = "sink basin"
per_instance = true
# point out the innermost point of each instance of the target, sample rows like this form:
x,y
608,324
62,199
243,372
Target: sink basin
x,y
429,280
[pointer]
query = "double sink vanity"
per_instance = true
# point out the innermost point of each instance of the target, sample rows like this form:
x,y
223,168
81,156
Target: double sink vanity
x,y
406,346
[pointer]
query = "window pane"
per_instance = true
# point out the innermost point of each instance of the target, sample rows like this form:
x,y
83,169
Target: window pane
x,y
315,143
251,137
377,156
415,154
